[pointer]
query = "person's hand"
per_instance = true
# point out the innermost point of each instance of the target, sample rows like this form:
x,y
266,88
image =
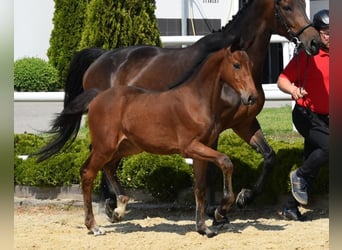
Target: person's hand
x,y
298,93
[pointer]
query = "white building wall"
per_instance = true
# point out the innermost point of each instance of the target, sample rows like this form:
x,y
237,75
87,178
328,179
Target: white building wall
x,y
218,9
33,19
317,5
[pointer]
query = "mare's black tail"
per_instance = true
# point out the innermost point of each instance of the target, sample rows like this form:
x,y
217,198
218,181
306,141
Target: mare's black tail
x,y
78,66
66,125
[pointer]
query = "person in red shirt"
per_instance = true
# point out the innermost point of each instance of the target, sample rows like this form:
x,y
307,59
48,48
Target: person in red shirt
x,y
306,79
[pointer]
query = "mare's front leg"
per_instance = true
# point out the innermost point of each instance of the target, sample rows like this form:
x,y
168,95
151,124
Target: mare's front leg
x,y
88,173
252,134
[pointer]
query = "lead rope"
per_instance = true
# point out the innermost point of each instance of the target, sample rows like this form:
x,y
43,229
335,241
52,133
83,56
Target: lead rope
x,y
303,83
296,54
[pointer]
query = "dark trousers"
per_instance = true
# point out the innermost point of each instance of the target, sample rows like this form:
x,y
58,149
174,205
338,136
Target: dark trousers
x,y
315,130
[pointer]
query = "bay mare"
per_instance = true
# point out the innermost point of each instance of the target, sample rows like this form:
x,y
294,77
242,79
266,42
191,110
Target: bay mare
x,y
187,119
159,68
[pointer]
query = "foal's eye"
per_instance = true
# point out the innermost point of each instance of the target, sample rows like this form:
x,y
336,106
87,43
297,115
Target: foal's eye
x,y
287,8
237,65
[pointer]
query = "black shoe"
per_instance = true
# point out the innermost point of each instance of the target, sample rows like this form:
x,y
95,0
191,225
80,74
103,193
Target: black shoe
x,y
293,214
299,188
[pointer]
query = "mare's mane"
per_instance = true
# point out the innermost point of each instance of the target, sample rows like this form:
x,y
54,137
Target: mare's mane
x,y
233,20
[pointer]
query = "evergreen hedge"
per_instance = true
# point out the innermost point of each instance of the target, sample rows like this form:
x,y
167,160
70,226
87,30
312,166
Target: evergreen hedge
x,y
164,176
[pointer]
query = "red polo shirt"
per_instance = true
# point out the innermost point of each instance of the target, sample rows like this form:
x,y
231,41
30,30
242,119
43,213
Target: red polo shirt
x,y
312,73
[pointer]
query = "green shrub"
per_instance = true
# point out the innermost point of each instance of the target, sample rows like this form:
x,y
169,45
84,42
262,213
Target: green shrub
x,y
163,176
35,74
62,169
248,166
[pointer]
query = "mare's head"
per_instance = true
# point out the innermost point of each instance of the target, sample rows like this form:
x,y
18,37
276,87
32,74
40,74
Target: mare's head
x,y
236,71
293,23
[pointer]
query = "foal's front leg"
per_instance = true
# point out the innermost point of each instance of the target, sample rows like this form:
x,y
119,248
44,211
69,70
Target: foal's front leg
x,y
200,174
201,153
228,195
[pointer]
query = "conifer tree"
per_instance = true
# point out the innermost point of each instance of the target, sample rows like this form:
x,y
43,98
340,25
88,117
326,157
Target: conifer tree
x,y
68,21
112,24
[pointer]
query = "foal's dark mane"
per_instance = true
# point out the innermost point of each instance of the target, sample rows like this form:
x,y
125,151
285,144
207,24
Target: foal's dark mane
x,y
193,73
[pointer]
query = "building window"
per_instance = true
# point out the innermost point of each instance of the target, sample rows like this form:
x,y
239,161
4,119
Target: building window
x,y
210,1
169,27
202,26
173,26
273,63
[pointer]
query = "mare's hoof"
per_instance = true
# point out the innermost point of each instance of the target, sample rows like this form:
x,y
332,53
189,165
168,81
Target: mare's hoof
x,y
244,197
116,217
223,221
110,205
210,211
207,233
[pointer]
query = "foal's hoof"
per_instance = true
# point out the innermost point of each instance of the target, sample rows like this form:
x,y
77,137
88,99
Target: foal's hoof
x,y
98,231
244,197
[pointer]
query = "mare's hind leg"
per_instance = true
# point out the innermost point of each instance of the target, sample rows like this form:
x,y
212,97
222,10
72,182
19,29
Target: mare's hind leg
x,y
88,174
253,135
121,198
125,148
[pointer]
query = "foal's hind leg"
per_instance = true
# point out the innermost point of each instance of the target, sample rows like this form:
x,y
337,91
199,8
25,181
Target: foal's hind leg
x,y
88,173
252,134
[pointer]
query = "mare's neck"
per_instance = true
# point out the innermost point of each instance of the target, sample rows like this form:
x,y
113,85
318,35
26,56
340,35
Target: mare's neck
x,y
214,42
257,24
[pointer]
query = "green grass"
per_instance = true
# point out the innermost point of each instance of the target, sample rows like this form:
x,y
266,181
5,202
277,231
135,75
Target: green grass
x,y
276,123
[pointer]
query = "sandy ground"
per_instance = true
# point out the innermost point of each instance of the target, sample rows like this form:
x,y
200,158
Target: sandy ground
x,y
58,224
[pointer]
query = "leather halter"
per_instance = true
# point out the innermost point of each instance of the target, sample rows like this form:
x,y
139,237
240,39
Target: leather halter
x,y
293,35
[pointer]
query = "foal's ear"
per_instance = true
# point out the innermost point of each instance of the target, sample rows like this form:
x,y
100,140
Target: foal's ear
x,y
237,44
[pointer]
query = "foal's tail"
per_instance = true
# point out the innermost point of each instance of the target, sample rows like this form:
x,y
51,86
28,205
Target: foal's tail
x,y
78,66
66,125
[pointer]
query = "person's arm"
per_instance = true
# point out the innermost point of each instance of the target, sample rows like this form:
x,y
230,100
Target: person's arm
x,y
287,87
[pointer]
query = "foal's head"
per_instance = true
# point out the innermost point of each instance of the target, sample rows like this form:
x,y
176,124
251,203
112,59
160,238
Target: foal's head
x,y
236,71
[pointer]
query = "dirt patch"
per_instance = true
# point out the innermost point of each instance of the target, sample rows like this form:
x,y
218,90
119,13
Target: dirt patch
x,y
58,224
